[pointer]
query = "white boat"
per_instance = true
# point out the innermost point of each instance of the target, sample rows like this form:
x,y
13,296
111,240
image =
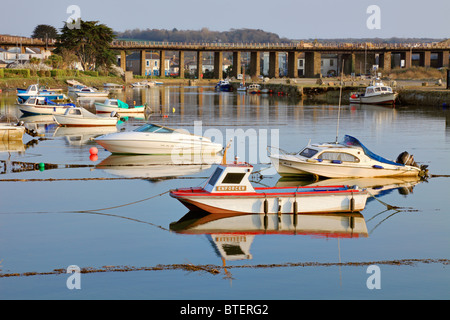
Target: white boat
x,y
34,90
80,117
76,88
91,92
376,93
229,191
110,105
242,87
42,105
139,85
156,139
254,88
349,158
11,132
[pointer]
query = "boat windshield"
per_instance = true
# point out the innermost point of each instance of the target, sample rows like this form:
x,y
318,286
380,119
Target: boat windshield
x,y
153,128
308,152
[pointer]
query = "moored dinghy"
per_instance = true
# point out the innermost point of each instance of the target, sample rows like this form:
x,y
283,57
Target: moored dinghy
x,y
229,190
117,105
80,117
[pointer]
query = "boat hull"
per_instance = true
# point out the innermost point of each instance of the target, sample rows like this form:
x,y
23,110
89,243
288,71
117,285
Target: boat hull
x,y
288,166
102,108
318,200
67,121
143,146
387,99
36,110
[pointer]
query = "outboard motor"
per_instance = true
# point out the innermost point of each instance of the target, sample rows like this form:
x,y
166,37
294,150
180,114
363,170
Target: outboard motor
x,y
406,159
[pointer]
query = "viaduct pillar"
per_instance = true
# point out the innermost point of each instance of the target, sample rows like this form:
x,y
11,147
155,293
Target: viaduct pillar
x,y
312,64
445,58
236,63
181,64
199,64
385,61
162,63
292,64
255,64
123,60
142,63
218,65
274,67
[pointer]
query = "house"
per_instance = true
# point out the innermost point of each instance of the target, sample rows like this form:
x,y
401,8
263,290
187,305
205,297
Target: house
x,y
152,62
20,55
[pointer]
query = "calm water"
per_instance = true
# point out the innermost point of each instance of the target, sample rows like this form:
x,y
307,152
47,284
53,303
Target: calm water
x,y
42,228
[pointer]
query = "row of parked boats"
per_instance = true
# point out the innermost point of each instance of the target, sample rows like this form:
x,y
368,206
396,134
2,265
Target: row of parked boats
x,y
228,190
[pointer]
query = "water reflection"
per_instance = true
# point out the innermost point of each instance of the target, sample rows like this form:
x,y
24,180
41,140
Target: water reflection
x,y
82,135
232,235
157,166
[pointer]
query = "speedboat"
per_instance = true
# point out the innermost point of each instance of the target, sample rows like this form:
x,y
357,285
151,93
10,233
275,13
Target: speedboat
x,y
91,92
242,87
156,139
223,85
117,105
80,117
376,93
33,90
229,191
254,88
349,158
43,105
11,132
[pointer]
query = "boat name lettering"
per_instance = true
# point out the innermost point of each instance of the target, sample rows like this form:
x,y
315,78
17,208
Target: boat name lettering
x,y
231,188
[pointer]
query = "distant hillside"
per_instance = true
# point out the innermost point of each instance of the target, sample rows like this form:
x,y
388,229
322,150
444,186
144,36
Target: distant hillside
x,y
203,35
244,35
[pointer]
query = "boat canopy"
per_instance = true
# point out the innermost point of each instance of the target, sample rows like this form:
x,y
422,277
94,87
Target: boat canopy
x,y
150,127
352,141
50,102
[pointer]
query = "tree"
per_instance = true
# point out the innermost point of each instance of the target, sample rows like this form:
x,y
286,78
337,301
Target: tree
x,y
90,43
44,31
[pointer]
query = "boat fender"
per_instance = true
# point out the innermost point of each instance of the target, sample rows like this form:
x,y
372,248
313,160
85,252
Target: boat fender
x,y
336,161
266,206
377,166
352,204
295,207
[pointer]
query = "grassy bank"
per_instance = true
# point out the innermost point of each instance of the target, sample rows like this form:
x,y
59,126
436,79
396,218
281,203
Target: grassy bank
x,y
7,84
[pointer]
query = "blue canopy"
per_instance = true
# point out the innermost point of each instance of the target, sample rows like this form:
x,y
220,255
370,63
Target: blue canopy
x,y
352,141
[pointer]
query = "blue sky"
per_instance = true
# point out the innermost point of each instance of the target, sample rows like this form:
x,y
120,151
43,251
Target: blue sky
x,y
294,19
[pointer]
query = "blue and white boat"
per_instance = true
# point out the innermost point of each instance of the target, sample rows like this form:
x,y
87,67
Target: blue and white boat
x,y
349,158
223,85
38,105
33,91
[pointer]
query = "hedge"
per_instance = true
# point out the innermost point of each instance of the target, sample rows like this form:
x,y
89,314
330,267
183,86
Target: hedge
x,y
91,73
16,73
2,73
64,73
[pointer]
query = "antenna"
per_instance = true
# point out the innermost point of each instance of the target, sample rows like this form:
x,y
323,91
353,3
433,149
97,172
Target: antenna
x,y
339,108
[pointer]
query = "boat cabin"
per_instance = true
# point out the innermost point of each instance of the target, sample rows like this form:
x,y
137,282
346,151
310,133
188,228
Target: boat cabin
x,y
230,178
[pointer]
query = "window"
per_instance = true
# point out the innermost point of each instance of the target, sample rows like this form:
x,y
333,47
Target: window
x,y
215,176
308,153
75,111
331,62
234,178
383,89
153,128
341,156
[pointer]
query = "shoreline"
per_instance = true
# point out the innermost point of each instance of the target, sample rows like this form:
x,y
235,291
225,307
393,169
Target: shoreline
x,y
411,92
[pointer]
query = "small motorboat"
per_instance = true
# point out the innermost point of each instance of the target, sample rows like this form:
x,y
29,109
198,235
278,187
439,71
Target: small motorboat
x,y
349,158
376,93
9,132
34,90
110,105
156,139
254,88
91,92
42,105
242,87
80,117
223,85
229,191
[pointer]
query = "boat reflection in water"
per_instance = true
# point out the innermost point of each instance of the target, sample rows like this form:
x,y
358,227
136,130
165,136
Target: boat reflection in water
x,y
232,234
375,186
157,166
82,135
